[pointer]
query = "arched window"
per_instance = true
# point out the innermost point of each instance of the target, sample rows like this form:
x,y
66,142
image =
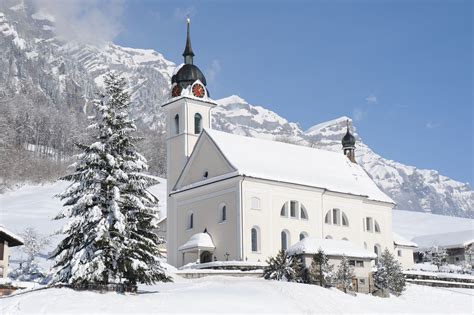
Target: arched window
x,y
345,239
255,203
303,235
377,250
285,239
376,227
345,221
328,237
255,239
197,123
303,213
190,220
283,211
327,219
176,124
223,212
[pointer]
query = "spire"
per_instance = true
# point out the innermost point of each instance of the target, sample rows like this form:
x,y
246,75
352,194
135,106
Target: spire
x,y
347,121
188,53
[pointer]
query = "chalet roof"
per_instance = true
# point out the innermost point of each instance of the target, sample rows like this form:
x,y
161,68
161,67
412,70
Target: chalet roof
x,y
296,164
401,241
446,240
330,247
10,237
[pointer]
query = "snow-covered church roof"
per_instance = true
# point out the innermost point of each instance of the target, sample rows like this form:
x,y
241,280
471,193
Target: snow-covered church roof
x,y
296,164
198,241
330,247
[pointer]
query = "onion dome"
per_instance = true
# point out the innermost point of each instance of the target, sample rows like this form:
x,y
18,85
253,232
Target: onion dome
x,y
188,73
348,140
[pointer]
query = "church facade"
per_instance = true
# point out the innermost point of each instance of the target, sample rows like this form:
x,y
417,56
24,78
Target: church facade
x,y
238,198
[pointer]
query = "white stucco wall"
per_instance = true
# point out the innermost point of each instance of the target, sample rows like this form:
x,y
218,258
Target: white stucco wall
x,y
317,202
406,258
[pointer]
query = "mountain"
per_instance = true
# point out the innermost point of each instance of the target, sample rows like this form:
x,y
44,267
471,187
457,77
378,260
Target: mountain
x,y
60,76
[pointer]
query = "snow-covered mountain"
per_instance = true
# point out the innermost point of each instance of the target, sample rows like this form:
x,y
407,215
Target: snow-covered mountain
x,y
65,75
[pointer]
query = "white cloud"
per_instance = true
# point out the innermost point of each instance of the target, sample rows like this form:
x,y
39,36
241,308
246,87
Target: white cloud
x,y
183,13
85,21
432,125
371,99
213,70
359,114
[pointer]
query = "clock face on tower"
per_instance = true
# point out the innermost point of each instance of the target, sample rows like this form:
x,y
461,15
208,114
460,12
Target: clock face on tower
x,y
176,91
198,90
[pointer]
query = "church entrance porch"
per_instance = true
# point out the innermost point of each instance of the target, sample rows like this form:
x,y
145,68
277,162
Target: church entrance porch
x,y
198,249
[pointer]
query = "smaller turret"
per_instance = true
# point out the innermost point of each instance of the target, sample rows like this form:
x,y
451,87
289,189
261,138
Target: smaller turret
x,y
348,144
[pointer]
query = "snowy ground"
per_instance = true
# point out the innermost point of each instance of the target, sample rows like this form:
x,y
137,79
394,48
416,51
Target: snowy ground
x,y
35,206
238,295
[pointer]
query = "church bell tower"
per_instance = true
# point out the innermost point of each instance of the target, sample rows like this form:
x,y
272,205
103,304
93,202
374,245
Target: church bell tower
x,y
187,111
348,145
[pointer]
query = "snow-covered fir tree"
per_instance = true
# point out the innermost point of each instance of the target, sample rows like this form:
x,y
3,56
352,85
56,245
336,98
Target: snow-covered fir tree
x,y
320,271
301,272
437,256
389,274
280,268
110,235
34,243
344,275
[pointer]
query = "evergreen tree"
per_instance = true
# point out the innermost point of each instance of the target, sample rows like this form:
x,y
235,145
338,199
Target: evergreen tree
x,y
389,274
280,268
437,256
109,238
301,272
344,275
321,272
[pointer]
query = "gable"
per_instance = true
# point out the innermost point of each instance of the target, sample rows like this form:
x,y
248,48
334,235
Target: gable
x,y
206,157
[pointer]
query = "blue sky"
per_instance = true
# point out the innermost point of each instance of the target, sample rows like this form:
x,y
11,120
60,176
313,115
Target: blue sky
x,y
401,69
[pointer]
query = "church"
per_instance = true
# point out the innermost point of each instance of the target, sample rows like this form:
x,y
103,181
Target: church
x,y
238,198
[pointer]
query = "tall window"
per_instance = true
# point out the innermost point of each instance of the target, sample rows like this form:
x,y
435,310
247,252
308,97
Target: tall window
x,y
368,224
293,205
190,220
176,124
335,216
285,236
223,212
254,236
197,123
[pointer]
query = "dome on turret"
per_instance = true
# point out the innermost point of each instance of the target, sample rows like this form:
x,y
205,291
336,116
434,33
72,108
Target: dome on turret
x,y
348,140
187,75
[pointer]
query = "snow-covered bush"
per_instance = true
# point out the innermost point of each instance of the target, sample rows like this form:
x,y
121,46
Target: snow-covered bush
x,y
29,269
344,275
281,268
320,271
109,238
389,274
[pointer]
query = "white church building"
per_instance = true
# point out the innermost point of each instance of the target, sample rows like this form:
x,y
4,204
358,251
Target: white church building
x,y
238,198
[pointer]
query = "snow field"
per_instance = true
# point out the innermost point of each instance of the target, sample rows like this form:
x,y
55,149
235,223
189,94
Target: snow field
x,y
238,295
